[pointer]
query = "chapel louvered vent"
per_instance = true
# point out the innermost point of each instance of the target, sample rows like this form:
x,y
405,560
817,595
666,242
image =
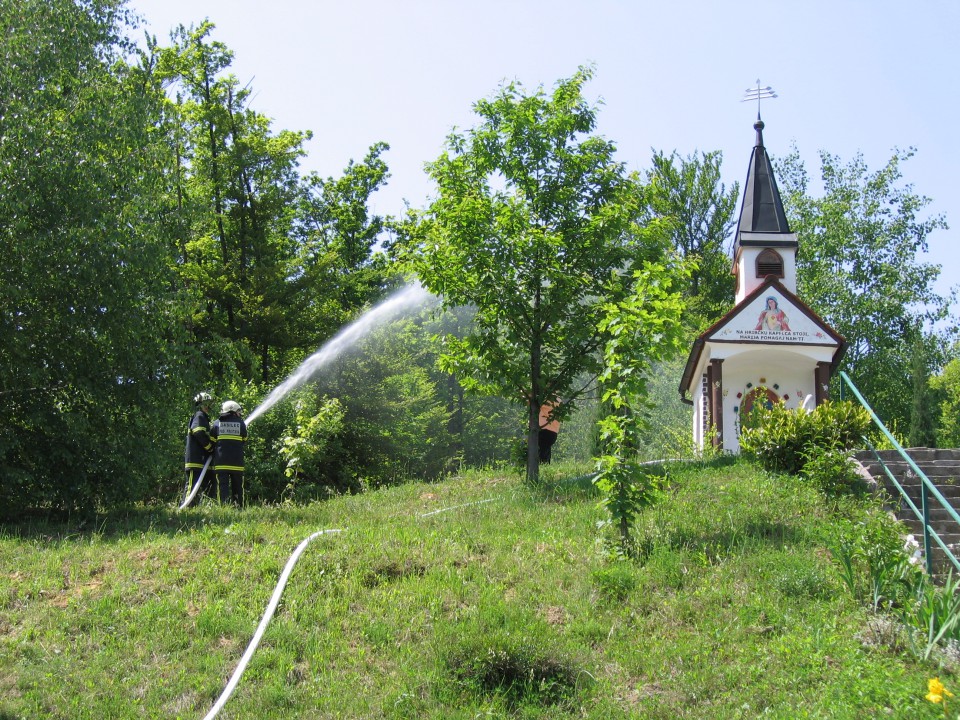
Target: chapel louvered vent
x,y
769,262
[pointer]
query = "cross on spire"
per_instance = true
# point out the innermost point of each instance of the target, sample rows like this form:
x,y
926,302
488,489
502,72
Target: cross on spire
x,y
758,93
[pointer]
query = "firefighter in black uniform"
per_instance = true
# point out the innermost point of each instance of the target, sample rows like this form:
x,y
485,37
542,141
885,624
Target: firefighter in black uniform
x,y
229,436
199,443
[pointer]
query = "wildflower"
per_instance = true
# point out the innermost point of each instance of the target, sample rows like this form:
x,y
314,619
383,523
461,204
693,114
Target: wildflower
x,y
913,549
938,693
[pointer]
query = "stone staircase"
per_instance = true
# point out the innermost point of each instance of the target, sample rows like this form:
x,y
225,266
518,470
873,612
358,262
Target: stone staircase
x,y
942,468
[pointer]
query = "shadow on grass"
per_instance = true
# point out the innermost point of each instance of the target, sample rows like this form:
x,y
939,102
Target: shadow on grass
x,y
752,534
120,523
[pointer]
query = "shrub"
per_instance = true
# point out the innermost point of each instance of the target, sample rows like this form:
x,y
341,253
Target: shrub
x,y
783,440
616,581
519,669
874,564
833,472
304,446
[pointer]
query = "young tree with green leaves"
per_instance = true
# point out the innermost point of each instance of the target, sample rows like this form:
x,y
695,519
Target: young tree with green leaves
x,y
923,405
536,225
640,330
860,268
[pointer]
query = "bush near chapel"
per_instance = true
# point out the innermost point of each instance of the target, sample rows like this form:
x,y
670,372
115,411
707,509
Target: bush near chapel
x,y
784,440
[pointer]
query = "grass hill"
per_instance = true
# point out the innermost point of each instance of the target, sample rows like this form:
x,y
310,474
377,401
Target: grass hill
x,y
474,597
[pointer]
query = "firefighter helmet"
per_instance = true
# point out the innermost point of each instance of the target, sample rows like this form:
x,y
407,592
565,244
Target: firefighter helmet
x,y
231,406
203,398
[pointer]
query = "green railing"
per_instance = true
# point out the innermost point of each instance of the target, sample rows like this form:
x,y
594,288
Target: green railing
x,y
928,490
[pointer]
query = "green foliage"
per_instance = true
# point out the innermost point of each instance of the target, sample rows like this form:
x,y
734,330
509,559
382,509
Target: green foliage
x,y
923,404
862,269
832,471
233,184
783,440
883,572
480,429
337,233
90,353
393,425
304,446
872,562
946,387
616,581
638,331
688,195
535,225
933,618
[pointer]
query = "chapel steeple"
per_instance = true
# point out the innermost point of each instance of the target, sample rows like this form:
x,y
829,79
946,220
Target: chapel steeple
x,y
763,244
770,347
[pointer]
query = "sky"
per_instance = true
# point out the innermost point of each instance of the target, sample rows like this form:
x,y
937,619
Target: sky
x,y
851,76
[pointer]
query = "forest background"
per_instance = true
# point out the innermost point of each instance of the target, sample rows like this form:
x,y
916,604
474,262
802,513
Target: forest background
x,y
161,239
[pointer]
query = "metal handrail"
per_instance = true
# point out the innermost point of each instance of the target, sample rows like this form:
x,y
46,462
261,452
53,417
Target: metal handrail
x,y
928,489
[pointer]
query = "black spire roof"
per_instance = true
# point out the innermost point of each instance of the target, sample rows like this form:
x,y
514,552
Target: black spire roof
x,y
762,209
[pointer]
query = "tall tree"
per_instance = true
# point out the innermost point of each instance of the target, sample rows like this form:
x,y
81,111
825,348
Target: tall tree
x,y
87,351
337,242
946,389
687,193
923,406
535,224
235,189
860,267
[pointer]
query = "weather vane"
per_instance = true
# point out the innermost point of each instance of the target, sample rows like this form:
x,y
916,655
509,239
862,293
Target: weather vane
x,y
758,93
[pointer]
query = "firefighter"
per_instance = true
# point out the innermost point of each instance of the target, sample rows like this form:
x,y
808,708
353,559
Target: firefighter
x,y
199,442
229,435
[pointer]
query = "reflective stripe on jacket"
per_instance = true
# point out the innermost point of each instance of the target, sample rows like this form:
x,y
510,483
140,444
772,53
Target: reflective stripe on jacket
x,y
199,442
229,434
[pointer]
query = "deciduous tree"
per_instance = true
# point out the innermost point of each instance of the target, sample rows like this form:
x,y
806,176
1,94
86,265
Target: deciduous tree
x,y
687,193
88,341
534,224
860,267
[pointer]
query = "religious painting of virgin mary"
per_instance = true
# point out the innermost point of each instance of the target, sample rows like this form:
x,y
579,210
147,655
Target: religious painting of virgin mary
x,y
772,317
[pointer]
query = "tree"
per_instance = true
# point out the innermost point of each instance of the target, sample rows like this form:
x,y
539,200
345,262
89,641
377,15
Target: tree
x,y
923,406
687,193
859,267
640,330
946,387
234,191
337,237
88,341
534,224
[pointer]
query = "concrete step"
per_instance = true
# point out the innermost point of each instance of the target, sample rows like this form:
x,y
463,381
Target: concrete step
x,y
935,468
949,532
917,454
937,513
950,492
942,468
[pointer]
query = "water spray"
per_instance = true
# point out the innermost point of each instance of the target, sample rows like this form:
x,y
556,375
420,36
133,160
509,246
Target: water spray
x,y
404,299
409,297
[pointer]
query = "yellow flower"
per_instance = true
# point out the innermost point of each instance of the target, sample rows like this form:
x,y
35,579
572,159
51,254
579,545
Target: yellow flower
x,y
937,690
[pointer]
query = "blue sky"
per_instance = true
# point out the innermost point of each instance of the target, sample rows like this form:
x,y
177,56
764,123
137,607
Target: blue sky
x,y
851,75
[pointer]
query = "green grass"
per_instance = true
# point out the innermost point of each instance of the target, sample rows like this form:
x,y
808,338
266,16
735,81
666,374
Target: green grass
x,y
511,604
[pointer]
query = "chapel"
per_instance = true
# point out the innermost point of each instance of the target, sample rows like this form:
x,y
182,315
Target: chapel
x,y
770,347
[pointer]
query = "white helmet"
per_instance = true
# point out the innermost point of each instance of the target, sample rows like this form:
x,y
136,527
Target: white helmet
x,y
202,398
231,406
